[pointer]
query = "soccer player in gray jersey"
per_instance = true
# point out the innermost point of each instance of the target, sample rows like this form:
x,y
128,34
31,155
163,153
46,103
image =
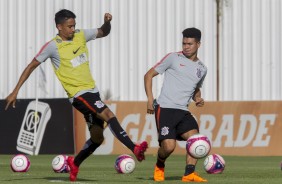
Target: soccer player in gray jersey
x,y
184,76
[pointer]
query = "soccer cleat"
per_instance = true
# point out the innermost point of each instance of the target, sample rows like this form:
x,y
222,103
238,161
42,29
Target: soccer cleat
x,y
139,151
73,168
193,177
159,174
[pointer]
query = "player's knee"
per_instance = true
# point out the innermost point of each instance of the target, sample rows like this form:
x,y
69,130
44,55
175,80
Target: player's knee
x,y
169,149
100,140
97,139
96,134
168,146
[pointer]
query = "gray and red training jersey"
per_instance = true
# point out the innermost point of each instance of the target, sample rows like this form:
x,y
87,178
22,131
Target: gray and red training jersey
x,y
182,77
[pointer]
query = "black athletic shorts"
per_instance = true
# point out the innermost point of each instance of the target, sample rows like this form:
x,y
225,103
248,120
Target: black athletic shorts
x,y
89,104
171,123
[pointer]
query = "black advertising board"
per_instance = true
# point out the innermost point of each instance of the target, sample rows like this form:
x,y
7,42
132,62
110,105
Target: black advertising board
x,y
53,133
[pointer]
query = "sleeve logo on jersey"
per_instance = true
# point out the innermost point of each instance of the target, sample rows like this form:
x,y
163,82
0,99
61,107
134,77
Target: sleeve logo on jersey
x,y
199,73
165,131
58,40
99,104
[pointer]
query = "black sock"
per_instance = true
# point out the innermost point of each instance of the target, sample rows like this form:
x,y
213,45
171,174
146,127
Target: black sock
x,y
87,150
160,162
189,169
120,133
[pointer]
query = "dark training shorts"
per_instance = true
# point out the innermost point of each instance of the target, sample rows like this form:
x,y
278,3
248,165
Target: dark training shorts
x,y
89,104
171,123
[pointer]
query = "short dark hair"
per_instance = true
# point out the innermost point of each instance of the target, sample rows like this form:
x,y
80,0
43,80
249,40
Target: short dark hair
x,y
63,15
192,33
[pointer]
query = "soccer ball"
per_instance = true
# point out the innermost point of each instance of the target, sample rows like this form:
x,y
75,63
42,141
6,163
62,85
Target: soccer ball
x,y
20,163
214,164
198,146
60,165
124,164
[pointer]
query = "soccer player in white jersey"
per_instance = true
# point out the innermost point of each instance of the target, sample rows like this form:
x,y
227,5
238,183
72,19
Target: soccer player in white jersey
x,y
69,56
184,76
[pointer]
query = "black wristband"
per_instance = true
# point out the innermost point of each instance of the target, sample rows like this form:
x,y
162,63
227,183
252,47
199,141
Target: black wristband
x,y
106,28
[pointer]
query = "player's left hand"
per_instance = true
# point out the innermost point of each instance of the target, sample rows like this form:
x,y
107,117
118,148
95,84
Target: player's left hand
x,y
107,17
200,102
150,108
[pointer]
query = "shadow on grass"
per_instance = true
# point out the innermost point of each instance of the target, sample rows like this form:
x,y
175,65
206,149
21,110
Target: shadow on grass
x,y
18,179
66,179
166,178
59,179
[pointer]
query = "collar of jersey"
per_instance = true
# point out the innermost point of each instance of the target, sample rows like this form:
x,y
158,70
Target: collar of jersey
x,y
60,40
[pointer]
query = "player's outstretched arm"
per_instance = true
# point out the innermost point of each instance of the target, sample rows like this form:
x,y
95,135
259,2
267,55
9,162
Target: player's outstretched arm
x,y
105,29
11,98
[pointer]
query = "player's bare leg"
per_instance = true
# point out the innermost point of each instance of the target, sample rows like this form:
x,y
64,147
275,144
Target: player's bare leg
x,y
190,175
166,148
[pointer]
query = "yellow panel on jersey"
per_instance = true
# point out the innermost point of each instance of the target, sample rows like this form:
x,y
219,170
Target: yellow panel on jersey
x,y
74,72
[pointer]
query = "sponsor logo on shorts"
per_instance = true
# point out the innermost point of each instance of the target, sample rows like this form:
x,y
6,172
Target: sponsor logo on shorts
x,y
165,131
99,104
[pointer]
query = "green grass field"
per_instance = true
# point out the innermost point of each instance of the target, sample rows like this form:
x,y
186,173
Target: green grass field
x,y
99,169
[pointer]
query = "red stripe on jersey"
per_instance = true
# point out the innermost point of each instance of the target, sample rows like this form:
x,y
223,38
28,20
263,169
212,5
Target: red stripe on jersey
x,y
86,104
180,52
42,48
161,60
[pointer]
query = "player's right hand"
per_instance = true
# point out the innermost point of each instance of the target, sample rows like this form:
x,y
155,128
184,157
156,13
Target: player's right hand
x,y
150,108
11,99
107,17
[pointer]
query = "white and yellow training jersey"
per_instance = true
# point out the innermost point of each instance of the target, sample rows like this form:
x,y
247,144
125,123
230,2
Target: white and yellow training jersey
x,y
70,61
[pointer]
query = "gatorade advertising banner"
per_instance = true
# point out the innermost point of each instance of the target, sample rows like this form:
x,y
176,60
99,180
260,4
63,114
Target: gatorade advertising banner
x,y
234,128
37,127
